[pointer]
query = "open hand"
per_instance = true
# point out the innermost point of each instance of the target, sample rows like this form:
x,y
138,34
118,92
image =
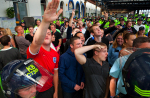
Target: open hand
x,y
73,12
50,12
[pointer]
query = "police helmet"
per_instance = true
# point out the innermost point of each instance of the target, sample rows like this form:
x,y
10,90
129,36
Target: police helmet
x,y
19,74
136,74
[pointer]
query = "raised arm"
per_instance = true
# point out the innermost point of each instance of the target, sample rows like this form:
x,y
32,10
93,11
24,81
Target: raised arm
x,y
71,19
49,16
106,18
79,52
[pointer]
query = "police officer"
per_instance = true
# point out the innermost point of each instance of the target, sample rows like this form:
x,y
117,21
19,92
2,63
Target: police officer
x,y
23,79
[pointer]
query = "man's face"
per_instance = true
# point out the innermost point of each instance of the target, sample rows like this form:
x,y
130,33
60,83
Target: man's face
x,y
22,24
74,20
139,22
48,38
97,31
80,24
98,24
53,28
129,24
89,25
27,92
102,54
81,35
130,40
58,23
141,31
73,26
31,29
144,45
67,23
20,30
122,22
77,44
38,22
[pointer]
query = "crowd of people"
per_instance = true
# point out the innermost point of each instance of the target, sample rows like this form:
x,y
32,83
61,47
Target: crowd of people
x,y
82,53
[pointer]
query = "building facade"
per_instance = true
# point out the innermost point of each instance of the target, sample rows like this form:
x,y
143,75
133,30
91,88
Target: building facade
x,y
35,9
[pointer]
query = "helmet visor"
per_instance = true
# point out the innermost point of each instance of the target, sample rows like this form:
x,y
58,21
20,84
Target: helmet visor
x,y
29,79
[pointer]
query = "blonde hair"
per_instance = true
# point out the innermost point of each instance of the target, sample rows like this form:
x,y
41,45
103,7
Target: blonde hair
x,y
115,44
3,31
9,32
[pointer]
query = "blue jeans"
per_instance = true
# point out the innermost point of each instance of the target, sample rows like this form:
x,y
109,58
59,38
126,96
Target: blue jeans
x,y
77,94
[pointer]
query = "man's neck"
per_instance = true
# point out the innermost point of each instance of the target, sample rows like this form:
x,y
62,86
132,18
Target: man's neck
x,y
66,26
97,60
128,27
72,50
97,39
19,34
31,33
46,47
6,47
54,31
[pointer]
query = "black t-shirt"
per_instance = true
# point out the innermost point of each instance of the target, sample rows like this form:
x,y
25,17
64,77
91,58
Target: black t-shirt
x,y
29,38
57,27
91,41
69,31
95,78
8,55
57,37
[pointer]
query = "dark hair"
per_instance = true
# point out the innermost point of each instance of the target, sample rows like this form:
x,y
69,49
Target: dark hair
x,y
53,25
77,33
138,41
149,33
31,27
74,29
126,36
96,22
112,22
128,22
5,40
66,22
141,28
73,38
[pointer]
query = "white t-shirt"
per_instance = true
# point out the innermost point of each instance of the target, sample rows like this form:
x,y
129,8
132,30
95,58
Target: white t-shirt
x,y
35,29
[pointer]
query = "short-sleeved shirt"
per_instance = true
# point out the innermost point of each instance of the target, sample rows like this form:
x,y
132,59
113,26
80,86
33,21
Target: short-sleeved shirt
x,y
116,72
95,78
22,43
57,37
7,55
48,59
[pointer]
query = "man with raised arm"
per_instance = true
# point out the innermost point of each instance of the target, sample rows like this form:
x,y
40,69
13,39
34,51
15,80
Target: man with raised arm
x,y
96,70
41,52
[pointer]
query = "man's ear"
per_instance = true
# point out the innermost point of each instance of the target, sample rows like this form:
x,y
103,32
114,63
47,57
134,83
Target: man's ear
x,y
71,45
96,52
92,33
9,43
